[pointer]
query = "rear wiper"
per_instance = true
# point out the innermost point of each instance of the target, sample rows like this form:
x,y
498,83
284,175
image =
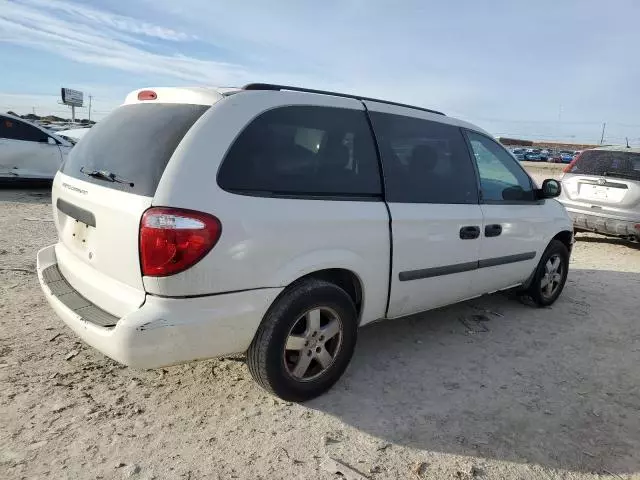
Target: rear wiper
x,y
105,175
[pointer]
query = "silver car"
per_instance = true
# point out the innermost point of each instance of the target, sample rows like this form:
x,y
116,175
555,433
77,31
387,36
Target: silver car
x,y
601,191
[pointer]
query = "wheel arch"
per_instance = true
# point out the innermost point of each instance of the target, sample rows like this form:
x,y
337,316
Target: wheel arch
x,y
348,269
346,279
564,236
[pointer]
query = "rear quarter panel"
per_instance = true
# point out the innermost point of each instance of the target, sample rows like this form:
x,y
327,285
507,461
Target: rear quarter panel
x,y
269,242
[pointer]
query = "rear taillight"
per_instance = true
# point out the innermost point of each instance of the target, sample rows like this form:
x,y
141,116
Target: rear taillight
x,y
173,240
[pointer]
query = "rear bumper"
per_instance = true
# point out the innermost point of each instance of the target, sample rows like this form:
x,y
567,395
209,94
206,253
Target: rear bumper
x,y
604,224
163,331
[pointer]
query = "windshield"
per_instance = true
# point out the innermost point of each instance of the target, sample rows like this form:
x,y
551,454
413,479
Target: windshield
x,y
608,163
134,142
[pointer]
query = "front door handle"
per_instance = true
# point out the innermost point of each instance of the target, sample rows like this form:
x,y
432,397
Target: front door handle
x,y
492,230
470,232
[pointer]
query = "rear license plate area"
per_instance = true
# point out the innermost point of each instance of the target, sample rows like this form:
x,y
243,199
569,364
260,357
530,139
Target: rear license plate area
x,y
79,233
594,192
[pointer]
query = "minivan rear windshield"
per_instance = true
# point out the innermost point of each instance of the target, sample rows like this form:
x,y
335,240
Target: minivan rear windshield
x,y
134,143
607,163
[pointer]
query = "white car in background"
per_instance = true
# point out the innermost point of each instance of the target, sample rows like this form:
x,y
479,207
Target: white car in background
x,y
73,135
29,152
601,191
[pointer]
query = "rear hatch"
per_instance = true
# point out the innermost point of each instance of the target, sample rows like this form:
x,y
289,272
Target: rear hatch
x,y
604,178
101,193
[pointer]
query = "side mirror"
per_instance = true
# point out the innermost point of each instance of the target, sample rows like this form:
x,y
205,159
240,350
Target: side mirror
x,y
51,141
551,188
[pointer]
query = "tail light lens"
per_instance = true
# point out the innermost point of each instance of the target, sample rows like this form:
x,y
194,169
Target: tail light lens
x,y
173,240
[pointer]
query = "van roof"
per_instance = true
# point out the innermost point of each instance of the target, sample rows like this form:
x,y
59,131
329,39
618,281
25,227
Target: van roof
x,y
273,87
184,95
212,95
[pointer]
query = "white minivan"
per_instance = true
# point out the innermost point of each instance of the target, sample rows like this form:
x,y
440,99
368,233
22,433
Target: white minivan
x,y
275,221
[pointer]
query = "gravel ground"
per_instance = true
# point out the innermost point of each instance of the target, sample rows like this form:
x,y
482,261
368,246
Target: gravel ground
x,y
487,389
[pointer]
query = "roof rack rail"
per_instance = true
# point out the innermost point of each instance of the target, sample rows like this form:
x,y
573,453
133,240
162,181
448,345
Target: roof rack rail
x,y
269,86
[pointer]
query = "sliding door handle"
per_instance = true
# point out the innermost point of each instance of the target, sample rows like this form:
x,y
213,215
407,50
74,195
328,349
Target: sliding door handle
x,y
492,230
469,233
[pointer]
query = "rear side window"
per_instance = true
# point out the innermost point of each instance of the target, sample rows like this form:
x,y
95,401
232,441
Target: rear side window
x,y
17,130
424,161
608,163
304,151
135,143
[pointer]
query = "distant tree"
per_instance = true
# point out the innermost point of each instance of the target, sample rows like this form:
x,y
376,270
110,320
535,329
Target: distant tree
x,y
53,118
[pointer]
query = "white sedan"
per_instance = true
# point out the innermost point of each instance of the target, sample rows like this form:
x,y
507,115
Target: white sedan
x,y
73,135
29,152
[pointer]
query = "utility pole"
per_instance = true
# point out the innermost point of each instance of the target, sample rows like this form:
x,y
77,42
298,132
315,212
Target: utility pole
x,y
33,109
602,136
90,97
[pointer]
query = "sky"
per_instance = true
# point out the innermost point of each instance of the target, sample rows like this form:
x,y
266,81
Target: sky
x,y
544,70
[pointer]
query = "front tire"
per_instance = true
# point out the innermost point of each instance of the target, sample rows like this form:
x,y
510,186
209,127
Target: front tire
x,y
305,341
550,275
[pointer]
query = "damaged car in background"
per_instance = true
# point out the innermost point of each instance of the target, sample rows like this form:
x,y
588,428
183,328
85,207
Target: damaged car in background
x,y
28,152
601,191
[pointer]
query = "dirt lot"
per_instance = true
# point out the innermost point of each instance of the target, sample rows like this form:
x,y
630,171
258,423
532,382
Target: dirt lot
x,y
488,389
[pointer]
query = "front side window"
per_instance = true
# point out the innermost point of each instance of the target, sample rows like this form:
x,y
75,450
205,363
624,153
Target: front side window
x,y
305,151
16,130
501,177
424,161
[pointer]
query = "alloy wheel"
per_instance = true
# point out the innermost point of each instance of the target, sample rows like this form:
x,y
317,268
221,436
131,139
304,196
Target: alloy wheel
x,y
313,343
552,277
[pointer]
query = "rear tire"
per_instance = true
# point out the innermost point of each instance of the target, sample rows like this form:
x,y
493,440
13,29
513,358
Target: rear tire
x,y
305,341
550,276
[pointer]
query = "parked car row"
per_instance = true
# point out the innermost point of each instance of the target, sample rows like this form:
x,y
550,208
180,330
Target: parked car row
x,y
543,155
564,156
